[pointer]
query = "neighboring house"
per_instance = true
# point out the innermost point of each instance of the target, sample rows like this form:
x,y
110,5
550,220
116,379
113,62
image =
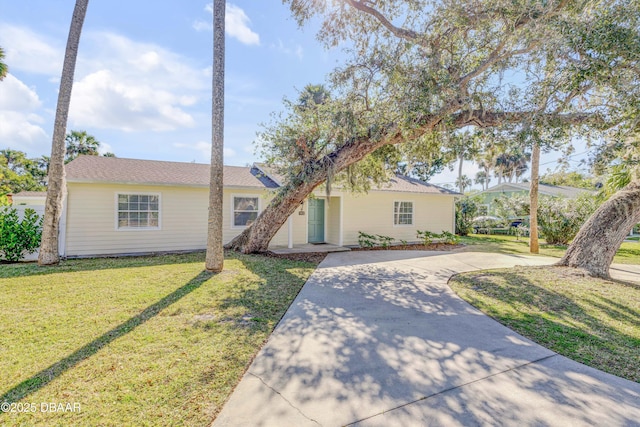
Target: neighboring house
x,y
126,206
30,198
489,196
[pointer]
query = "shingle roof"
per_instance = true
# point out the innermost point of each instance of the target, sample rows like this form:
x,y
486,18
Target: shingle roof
x,y
400,183
153,172
549,190
406,184
30,194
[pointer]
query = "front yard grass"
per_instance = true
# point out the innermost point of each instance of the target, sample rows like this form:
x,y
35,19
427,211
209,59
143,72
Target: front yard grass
x,y
592,321
136,341
629,252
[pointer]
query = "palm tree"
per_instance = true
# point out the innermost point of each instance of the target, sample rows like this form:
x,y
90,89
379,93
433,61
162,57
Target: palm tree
x,y
482,178
313,95
3,67
81,143
215,254
55,191
463,182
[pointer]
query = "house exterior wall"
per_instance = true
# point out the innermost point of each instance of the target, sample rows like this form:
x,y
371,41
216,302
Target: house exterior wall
x,y
373,213
91,220
91,226
28,200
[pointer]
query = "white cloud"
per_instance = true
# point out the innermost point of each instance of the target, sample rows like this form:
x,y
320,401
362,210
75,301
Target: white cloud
x,y
15,95
28,51
20,126
19,132
236,24
131,86
103,100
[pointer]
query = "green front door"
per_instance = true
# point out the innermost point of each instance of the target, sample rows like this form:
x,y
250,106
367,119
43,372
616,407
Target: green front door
x,y
316,220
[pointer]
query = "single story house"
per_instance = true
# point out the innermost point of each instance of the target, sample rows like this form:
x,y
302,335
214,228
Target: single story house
x,y
126,206
31,198
509,189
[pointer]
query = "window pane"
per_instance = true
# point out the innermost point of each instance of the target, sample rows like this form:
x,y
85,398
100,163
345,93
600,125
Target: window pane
x,y
242,219
153,219
133,198
144,205
245,203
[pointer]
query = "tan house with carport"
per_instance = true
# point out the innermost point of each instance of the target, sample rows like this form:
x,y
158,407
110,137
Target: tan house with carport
x,y
126,206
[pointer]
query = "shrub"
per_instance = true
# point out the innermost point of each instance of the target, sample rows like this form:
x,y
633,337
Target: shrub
x,y
449,238
371,240
366,240
19,237
426,236
466,211
560,219
385,241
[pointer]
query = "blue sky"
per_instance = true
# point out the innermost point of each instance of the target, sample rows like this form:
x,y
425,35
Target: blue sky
x,y
143,77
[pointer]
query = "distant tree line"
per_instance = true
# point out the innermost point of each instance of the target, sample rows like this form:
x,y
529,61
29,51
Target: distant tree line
x,y
18,172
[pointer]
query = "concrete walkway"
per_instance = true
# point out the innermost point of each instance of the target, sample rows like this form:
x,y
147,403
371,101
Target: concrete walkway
x,y
379,339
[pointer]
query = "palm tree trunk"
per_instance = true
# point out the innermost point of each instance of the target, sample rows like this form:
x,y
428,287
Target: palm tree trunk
x,y
461,188
600,237
49,254
533,200
215,253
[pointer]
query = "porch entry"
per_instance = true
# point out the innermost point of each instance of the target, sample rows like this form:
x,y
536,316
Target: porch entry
x,y
316,220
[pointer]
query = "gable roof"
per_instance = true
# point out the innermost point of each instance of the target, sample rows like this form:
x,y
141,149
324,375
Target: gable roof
x,y
406,184
154,172
549,190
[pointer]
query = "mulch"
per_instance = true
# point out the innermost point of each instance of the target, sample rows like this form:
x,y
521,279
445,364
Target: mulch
x,y
317,257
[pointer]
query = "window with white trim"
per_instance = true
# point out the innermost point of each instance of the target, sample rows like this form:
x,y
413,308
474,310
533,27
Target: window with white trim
x,y
245,210
138,211
402,213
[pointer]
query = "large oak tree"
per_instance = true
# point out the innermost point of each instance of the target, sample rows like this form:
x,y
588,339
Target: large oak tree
x,y
422,71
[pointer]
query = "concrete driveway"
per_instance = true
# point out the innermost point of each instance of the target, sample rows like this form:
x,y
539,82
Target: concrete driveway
x,y
378,339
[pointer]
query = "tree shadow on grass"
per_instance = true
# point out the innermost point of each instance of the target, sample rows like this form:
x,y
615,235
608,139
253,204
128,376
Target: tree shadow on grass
x,y
563,324
44,377
18,270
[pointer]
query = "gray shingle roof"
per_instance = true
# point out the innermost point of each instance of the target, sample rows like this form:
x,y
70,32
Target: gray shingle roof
x,y
153,172
406,184
400,183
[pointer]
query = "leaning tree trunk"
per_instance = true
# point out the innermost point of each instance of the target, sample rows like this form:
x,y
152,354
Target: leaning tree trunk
x,y
600,237
56,186
256,237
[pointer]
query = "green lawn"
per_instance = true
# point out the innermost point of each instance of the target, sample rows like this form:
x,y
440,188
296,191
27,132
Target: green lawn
x,y
629,252
136,341
592,321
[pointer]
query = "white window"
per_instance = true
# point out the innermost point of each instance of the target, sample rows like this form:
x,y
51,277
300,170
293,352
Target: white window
x,y
402,213
138,211
245,210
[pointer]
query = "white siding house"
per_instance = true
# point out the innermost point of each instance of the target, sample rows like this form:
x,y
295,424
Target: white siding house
x,y
127,206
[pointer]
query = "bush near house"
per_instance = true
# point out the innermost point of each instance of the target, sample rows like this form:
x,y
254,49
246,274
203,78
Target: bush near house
x,y
19,237
560,219
466,211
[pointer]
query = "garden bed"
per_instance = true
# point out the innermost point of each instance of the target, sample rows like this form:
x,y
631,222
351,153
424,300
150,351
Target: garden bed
x,y
414,247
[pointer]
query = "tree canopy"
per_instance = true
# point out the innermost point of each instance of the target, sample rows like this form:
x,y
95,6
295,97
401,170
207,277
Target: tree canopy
x,y
421,73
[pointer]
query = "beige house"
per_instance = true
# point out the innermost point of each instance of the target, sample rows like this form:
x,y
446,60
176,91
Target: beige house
x,y
127,206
